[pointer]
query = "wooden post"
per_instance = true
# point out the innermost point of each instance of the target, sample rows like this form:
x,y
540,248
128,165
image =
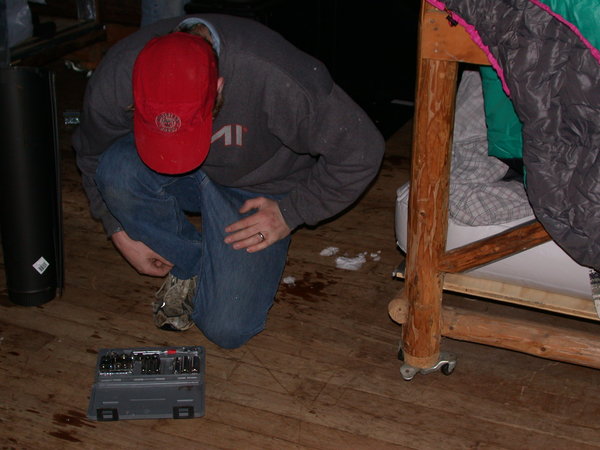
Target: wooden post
x,y
428,207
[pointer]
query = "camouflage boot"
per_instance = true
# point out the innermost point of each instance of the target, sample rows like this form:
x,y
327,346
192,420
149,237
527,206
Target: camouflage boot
x,y
174,304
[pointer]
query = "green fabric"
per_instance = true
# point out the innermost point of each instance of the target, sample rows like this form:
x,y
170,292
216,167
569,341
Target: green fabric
x,y
504,127
584,14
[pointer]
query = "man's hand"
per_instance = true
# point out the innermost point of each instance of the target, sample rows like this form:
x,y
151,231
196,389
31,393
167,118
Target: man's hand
x,y
143,259
259,230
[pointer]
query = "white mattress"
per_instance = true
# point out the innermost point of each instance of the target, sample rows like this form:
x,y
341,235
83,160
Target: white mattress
x,y
545,266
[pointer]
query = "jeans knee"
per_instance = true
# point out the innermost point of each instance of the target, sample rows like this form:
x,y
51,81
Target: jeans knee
x,y
228,335
118,171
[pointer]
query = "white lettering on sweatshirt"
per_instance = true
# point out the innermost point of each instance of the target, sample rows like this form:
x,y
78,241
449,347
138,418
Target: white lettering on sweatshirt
x,y
231,135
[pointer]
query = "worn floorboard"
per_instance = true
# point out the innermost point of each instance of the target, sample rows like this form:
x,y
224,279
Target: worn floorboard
x,y
324,374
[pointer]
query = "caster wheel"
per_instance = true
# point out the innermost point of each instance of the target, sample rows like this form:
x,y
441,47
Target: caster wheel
x,y
447,369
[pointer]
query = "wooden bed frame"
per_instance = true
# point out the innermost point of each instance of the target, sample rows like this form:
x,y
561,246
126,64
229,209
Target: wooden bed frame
x,y
418,307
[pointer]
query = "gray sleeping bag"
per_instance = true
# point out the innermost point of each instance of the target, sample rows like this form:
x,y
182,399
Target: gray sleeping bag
x,y
553,79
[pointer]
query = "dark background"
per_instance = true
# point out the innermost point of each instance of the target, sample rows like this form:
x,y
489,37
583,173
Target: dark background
x,y
369,48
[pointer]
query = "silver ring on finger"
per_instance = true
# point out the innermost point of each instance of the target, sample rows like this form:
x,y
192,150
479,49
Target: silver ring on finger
x,y
260,236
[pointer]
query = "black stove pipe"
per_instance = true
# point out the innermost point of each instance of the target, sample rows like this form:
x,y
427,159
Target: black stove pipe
x,y
30,201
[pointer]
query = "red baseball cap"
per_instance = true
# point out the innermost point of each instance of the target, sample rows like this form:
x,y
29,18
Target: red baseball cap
x,y
174,91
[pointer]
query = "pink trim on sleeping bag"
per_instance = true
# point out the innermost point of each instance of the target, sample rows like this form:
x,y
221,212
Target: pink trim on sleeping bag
x,y
477,39
573,27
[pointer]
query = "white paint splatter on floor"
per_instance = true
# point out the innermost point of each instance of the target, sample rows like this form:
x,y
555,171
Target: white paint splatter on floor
x,y
329,251
289,281
350,263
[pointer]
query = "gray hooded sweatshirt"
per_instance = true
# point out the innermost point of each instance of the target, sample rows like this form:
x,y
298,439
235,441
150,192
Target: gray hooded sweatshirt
x,y
285,127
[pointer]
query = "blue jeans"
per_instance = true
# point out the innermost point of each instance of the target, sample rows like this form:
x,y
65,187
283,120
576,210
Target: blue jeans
x,y
236,289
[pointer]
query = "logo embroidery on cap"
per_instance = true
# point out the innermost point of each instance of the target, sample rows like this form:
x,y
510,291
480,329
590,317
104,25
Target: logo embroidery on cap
x,y
168,122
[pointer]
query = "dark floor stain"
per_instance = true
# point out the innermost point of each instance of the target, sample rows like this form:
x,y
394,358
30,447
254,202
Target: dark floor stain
x,y
64,436
73,418
309,288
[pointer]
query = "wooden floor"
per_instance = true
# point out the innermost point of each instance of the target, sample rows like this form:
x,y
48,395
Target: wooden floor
x,y
324,374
